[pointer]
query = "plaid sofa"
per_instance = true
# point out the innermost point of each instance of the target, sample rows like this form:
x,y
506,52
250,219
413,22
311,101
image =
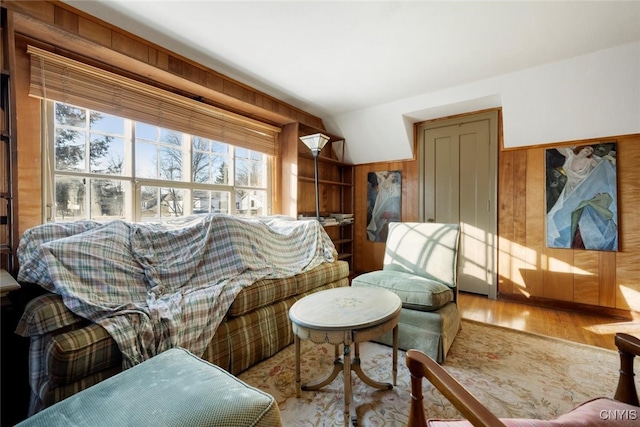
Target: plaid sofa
x,y
68,354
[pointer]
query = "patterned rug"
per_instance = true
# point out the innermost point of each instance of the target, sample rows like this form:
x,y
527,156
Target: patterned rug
x,y
515,374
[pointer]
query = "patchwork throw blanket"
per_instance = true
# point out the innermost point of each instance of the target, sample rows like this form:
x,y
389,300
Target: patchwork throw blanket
x,y
154,286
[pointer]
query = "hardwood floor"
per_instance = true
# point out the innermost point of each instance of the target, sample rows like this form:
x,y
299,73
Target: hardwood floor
x,y
589,329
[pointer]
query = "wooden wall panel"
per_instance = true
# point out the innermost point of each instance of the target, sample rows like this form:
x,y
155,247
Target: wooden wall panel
x,y
370,255
586,284
29,158
627,286
607,294
557,268
285,201
529,210
363,261
95,33
628,258
507,263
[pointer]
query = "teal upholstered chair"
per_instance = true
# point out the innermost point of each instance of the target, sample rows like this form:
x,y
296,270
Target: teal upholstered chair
x,y
420,266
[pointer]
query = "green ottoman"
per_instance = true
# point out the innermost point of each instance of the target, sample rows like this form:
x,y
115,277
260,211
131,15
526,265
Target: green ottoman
x,y
174,388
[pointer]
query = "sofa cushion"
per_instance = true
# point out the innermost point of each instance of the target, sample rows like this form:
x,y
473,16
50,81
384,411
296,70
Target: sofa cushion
x,y
327,272
415,292
261,294
593,413
269,291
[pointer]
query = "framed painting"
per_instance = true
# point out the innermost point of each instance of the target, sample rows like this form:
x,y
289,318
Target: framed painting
x,y
582,197
384,191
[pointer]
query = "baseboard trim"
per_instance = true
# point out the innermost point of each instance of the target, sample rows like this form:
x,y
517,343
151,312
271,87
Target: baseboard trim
x,y
572,306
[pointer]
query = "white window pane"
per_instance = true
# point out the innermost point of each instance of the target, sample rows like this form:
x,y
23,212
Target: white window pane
x,y
146,160
160,202
68,115
107,154
170,137
220,147
219,170
171,164
242,172
210,201
201,144
108,199
242,153
106,123
70,198
201,168
70,150
145,131
251,202
258,175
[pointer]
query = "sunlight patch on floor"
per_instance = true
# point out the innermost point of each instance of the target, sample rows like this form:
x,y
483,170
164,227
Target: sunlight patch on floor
x,y
632,328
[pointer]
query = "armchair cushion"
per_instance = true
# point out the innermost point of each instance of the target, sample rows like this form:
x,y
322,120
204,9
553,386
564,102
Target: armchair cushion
x,y
416,292
596,412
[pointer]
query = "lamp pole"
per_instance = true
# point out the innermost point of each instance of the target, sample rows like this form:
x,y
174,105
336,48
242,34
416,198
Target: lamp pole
x,y
315,143
315,161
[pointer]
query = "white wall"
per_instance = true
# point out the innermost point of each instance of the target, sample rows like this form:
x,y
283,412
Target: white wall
x,y
590,96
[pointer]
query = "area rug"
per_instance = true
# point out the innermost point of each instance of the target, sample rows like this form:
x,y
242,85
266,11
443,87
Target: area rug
x,y
515,374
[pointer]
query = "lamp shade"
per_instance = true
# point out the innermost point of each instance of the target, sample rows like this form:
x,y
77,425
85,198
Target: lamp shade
x,y
315,142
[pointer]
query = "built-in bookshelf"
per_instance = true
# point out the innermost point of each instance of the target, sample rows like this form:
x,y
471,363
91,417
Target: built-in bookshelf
x,y
335,183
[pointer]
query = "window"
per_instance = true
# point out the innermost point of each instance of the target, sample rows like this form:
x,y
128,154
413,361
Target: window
x,y
102,167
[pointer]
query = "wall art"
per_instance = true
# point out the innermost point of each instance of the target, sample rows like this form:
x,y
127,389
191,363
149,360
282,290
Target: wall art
x,y
582,197
384,191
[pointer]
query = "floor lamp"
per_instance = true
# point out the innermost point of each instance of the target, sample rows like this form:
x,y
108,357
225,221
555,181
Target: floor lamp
x,y
315,143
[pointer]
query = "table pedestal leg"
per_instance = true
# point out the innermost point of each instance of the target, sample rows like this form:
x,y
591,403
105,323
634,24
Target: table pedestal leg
x,y
365,379
297,344
347,385
337,368
395,354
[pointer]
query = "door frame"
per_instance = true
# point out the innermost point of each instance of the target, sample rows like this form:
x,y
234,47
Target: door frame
x,y
495,119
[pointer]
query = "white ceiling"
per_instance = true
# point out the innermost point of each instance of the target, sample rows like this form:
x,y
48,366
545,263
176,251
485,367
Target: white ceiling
x,y
331,57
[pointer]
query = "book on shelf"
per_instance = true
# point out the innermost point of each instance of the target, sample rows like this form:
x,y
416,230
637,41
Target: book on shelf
x,y
341,216
332,219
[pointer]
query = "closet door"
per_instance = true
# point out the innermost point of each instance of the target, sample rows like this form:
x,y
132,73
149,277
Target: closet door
x,y
458,185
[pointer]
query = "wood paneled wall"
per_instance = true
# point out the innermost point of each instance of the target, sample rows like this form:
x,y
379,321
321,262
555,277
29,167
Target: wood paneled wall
x,y
607,282
530,270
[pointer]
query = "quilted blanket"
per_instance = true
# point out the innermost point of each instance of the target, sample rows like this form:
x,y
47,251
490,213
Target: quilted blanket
x,y
155,286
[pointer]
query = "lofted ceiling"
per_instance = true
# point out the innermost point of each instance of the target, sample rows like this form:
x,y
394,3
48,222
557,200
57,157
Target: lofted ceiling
x,y
334,57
